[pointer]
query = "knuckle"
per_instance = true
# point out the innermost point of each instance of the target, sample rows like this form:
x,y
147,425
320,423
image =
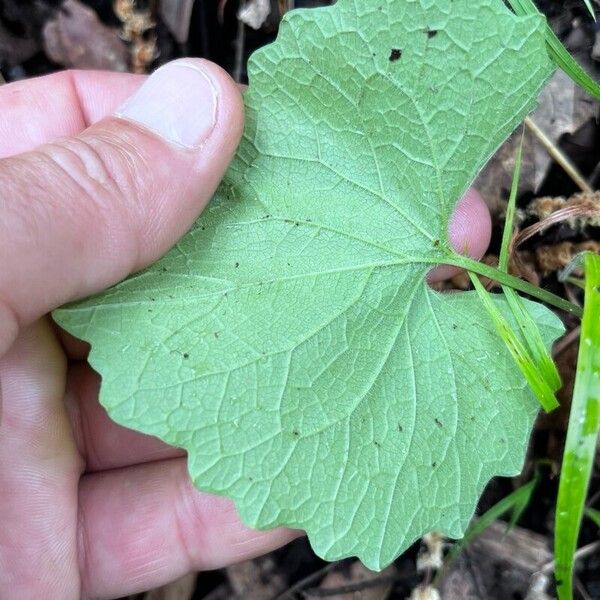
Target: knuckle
x,y
101,174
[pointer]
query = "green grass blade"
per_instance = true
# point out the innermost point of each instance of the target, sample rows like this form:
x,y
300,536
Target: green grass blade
x,y
582,433
536,381
558,53
594,515
590,8
531,335
529,329
474,266
510,210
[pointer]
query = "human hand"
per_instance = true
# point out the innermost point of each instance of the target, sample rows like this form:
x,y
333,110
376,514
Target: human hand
x,y
88,508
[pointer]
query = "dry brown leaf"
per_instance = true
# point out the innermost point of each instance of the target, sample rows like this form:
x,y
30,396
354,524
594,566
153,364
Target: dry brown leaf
x,y
563,108
76,38
494,181
177,15
358,574
558,256
496,565
256,579
585,207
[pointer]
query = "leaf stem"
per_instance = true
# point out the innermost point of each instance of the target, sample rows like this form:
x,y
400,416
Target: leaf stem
x,y
514,282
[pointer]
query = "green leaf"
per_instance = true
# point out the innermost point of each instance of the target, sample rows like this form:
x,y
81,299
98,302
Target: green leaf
x,y
559,54
290,342
594,515
589,6
582,434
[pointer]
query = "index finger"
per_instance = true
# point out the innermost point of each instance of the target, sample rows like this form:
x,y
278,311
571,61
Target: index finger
x,y
40,110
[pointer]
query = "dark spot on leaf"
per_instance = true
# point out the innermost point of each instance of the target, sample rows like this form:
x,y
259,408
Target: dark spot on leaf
x,y
164,269
431,32
153,299
436,243
202,227
250,479
434,464
395,54
377,444
472,419
295,433
216,334
400,428
454,326
186,355
237,264
438,422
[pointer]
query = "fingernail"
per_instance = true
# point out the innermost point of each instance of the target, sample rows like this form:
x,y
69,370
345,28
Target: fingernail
x,y
177,102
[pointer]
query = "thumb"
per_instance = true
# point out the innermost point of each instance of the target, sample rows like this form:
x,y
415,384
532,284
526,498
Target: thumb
x,y
82,213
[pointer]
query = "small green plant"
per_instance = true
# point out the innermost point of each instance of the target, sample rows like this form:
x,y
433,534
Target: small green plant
x,y
582,434
290,342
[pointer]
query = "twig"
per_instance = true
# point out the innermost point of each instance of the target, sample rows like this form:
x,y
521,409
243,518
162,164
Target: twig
x,y
558,155
239,52
299,585
351,587
581,553
566,341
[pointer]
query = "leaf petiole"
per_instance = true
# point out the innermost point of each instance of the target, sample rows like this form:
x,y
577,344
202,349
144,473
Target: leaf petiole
x,y
479,268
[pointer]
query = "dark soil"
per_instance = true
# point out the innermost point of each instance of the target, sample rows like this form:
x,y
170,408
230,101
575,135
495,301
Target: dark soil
x,y
26,51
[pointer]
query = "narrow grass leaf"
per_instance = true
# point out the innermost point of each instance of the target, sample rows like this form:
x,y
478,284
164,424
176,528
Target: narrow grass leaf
x,y
533,338
529,329
540,387
558,53
590,8
510,210
594,515
582,433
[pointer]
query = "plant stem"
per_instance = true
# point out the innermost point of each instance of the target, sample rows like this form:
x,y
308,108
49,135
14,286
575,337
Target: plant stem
x,y
514,282
558,155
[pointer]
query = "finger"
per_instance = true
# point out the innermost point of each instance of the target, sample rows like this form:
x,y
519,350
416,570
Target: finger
x,y
470,231
102,443
39,472
146,525
84,212
40,110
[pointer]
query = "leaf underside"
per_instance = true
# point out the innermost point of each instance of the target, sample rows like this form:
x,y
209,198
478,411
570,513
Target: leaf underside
x,y
289,342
